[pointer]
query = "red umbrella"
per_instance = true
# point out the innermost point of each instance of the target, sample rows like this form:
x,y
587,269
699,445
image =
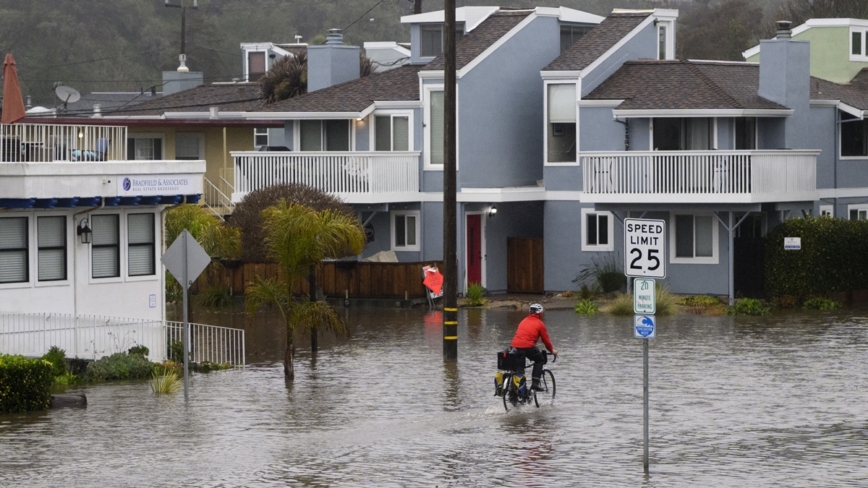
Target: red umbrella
x,y
13,104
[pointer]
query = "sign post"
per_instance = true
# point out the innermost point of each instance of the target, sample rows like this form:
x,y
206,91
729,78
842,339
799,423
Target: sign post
x,y
185,259
644,260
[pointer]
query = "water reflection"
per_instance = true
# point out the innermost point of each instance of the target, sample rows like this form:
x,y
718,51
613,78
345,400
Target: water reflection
x,y
734,402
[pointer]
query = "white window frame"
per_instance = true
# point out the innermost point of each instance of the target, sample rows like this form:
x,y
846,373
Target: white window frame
x,y
610,232
154,258
827,210
863,57
670,39
123,243
840,140
546,123
427,89
193,135
247,61
257,132
372,131
715,240
405,213
859,207
68,249
150,135
296,134
31,236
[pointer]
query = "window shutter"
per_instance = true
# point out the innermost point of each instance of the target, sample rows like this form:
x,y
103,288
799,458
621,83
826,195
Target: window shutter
x,y
140,228
51,242
437,127
400,134
562,103
13,250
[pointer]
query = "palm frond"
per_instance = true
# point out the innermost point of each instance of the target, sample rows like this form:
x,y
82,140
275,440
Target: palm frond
x,y
307,316
270,291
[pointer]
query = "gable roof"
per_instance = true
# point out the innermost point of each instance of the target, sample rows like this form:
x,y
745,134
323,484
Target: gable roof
x,y
854,94
399,84
229,97
596,42
481,38
685,85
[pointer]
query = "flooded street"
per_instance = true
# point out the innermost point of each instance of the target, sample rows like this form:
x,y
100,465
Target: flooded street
x,y
777,401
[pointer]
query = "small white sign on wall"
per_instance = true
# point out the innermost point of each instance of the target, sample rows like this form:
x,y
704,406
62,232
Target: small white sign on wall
x,y
152,301
793,243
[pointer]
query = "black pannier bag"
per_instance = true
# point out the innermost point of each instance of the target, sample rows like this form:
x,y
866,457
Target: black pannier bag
x,y
510,361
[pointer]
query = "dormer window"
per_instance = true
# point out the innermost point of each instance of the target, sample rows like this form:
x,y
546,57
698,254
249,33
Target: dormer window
x,y
255,65
431,39
859,44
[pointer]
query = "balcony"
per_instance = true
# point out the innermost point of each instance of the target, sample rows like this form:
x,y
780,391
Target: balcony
x,y
54,142
699,176
354,177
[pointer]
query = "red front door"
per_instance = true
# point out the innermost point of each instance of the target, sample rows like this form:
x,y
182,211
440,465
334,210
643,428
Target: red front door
x,y
474,249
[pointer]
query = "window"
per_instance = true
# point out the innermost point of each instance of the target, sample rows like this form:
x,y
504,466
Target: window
x,y
51,244
694,134
13,250
105,253
561,132
140,242
333,135
858,44
431,39
597,230
435,128
854,136
858,212
827,210
405,230
255,65
392,133
693,239
661,41
745,133
188,147
260,136
144,147
572,33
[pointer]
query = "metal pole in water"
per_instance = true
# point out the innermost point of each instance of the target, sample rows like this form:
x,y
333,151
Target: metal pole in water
x,y
645,394
185,343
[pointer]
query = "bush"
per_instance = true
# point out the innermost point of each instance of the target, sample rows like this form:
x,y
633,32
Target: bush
x,y
176,352
57,357
586,307
214,296
164,384
25,384
139,350
820,303
207,367
476,295
622,305
587,292
605,273
665,301
120,366
699,304
748,306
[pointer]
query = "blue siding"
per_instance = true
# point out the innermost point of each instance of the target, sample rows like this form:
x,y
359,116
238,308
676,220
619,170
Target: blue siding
x,y
643,45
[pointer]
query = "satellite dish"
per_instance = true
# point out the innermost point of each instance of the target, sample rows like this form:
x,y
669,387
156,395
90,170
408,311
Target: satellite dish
x,y
67,93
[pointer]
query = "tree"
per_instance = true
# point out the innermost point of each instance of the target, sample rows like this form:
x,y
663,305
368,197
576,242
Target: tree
x,y
298,237
719,32
287,77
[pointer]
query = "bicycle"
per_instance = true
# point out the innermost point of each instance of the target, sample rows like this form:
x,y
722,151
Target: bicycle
x,y
513,365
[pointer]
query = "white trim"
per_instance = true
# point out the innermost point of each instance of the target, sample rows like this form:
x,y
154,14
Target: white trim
x,y
203,115
149,135
426,127
824,103
308,115
471,16
431,75
610,231
618,45
396,104
729,112
546,85
405,213
715,251
498,195
855,112
599,103
483,217
372,129
842,192
859,207
387,45
863,45
247,52
560,75
564,196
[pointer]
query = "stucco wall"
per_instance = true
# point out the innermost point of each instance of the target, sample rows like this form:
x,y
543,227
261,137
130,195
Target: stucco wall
x,y
643,45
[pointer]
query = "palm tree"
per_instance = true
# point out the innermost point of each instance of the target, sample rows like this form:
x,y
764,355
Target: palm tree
x,y
299,237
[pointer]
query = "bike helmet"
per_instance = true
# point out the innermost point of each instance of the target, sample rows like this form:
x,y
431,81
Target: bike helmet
x,y
536,309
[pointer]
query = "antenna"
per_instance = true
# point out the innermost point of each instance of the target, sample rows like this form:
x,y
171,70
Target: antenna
x,y
68,94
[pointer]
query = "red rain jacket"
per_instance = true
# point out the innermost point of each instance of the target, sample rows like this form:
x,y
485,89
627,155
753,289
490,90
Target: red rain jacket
x,y
529,331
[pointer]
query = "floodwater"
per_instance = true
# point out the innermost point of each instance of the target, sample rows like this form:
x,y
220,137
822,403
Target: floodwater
x,y
778,401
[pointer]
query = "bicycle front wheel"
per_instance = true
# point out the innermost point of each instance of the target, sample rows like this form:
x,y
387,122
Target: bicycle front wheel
x,y
510,394
547,395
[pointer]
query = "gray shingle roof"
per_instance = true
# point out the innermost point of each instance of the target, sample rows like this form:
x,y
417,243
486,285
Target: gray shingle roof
x,y
854,94
230,97
399,84
656,85
596,42
479,39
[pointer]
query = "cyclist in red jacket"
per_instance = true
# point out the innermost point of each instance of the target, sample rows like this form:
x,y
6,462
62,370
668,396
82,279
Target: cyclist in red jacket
x,y
529,331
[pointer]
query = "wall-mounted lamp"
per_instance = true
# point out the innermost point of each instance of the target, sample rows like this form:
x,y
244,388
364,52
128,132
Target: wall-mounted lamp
x,y
80,134
84,231
492,211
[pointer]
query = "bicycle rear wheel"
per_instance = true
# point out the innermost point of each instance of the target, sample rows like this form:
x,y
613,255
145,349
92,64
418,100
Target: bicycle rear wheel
x,y
510,394
547,396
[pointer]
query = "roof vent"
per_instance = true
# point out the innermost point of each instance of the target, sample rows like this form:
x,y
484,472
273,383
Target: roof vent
x,y
784,31
335,38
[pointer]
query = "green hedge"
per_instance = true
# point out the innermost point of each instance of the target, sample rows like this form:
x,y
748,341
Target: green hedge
x,y
25,384
833,258
119,366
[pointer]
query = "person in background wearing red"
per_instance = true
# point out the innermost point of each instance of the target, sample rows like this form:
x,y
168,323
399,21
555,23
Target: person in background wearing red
x,y
529,331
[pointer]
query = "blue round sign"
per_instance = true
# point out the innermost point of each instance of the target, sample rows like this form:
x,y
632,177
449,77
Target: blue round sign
x,y
644,326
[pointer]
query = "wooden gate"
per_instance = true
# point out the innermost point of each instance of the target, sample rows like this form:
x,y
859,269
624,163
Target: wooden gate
x,y
749,267
524,265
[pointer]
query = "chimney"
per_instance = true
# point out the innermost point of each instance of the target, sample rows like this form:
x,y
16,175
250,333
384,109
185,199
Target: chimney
x,y
174,81
332,62
784,78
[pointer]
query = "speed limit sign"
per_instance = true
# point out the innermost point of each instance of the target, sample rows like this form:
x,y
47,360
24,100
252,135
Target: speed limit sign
x,y
644,248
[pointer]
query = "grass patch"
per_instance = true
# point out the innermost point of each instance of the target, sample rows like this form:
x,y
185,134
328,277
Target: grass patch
x,y
748,306
820,303
622,305
165,384
604,274
586,307
475,295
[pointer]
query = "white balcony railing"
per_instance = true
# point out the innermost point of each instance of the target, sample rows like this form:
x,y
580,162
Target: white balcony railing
x,y
354,176
699,176
50,142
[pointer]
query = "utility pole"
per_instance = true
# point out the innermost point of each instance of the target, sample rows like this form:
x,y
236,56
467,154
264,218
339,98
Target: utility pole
x,y
450,254
417,6
182,68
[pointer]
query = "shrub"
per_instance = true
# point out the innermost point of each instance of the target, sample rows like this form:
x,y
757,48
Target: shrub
x,y
748,306
665,301
588,292
139,350
622,305
57,357
214,296
820,303
701,303
176,352
164,384
786,301
120,366
25,384
167,367
476,295
207,367
586,307
605,273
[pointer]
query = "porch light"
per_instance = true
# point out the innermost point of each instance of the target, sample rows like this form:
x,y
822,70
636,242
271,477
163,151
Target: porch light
x,y
84,231
492,211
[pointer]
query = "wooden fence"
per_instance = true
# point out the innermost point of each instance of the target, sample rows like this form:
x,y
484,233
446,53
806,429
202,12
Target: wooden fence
x,y
359,279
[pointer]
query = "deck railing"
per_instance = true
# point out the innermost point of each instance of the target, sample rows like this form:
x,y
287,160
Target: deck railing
x,y
95,336
657,174
339,173
55,142
217,200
